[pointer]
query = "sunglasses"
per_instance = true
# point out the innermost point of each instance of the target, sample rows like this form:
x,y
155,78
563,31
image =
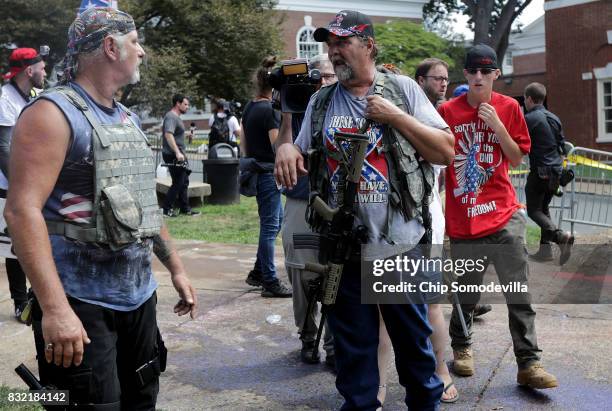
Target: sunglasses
x,y
483,71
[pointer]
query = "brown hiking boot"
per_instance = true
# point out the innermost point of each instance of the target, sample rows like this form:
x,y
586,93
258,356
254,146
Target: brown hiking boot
x,y
463,363
535,376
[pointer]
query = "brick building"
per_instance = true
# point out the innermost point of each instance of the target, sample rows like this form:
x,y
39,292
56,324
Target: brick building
x,y
301,18
575,65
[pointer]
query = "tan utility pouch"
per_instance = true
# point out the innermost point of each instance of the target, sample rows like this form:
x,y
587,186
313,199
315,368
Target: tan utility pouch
x,y
122,215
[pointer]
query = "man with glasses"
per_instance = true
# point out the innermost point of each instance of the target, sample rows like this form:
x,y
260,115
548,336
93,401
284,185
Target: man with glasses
x,y
432,76
345,107
482,211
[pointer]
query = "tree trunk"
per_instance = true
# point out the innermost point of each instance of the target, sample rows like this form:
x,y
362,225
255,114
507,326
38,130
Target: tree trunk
x,y
482,18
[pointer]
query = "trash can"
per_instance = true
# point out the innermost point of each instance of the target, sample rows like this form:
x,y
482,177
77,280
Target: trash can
x,y
221,172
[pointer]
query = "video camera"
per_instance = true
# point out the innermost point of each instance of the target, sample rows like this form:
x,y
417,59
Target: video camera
x,y
294,84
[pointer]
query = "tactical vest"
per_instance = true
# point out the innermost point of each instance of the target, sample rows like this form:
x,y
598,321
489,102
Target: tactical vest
x,y
125,206
410,177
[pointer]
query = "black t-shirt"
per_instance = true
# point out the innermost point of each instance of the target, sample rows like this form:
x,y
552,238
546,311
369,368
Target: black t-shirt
x,y
258,118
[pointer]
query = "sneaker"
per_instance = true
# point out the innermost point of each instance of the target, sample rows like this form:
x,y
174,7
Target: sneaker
x,y
535,376
566,241
255,278
482,309
276,290
307,351
191,213
463,363
20,310
169,213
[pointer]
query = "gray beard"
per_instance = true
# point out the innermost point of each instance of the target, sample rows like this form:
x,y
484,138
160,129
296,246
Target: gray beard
x,y
135,77
344,73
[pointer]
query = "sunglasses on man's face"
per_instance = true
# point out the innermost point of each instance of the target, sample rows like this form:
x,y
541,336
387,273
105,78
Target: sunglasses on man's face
x,y
483,71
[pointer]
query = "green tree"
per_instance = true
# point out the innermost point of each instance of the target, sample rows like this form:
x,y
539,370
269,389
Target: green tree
x,y
405,44
491,20
164,73
32,23
224,40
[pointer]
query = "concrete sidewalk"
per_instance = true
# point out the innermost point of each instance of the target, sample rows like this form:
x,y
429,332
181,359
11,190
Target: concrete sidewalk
x,y
230,358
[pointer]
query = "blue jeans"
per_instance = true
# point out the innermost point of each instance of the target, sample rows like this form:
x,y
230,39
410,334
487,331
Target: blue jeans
x,y
355,327
270,212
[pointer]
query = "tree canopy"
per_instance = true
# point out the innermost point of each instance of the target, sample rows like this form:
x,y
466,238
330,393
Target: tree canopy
x,y
491,20
406,44
198,47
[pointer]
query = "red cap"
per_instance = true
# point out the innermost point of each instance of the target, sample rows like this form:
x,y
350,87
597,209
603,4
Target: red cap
x,y
20,59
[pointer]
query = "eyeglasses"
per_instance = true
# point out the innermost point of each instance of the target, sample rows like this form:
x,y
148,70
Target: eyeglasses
x,y
483,71
439,79
328,75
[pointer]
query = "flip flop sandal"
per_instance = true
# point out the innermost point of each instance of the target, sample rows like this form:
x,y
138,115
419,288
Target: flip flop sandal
x,y
450,400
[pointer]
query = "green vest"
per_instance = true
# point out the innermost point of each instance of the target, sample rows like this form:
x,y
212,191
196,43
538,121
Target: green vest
x,y
125,206
410,177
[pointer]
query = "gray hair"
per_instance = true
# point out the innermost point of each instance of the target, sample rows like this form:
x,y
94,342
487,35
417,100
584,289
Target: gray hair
x,y
317,61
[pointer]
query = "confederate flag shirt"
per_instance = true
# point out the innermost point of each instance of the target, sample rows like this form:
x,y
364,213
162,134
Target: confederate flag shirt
x,y
480,198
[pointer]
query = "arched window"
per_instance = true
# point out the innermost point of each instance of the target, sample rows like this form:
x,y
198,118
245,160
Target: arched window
x,y
307,47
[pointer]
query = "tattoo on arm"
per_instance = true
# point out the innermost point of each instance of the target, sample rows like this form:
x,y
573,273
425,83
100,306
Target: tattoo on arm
x,y
162,248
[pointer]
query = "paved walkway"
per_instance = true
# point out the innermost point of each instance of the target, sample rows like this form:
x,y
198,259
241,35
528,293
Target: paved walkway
x,y
230,358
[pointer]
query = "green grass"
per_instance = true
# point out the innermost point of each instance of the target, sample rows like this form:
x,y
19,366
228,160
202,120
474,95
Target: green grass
x,y
533,235
12,406
239,224
236,223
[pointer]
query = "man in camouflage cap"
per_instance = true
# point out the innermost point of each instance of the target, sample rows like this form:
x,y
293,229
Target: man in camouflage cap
x,y
88,220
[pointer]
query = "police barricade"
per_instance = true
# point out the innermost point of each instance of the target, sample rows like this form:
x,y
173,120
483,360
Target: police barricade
x,y
588,198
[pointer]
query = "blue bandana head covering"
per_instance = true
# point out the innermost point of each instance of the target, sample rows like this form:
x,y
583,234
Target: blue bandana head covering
x,y
89,29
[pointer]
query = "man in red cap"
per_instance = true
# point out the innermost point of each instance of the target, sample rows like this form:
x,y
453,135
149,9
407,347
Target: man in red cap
x,y
27,70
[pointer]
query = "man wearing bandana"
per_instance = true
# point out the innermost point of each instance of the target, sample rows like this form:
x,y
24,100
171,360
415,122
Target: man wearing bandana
x,y
83,200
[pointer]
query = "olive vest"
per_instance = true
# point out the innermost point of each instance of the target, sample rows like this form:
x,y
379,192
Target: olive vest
x,y
125,208
410,177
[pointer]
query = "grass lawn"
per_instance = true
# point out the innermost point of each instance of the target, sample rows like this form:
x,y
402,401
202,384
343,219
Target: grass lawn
x,y
236,223
6,405
239,224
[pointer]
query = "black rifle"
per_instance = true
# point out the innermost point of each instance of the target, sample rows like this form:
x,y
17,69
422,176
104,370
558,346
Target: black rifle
x,y
31,381
338,237
181,164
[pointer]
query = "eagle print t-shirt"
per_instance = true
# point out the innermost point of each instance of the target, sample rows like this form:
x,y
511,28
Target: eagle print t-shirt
x,y
480,198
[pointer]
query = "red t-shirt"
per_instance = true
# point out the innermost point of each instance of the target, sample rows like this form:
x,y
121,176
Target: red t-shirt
x,y
480,198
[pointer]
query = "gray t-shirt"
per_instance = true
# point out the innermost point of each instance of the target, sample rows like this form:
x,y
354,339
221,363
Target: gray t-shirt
x,y
345,113
173,124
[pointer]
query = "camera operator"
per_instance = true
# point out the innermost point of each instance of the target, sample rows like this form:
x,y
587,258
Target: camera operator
x,y
260,125
294,222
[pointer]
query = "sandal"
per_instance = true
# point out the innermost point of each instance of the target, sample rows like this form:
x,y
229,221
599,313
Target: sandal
x,y
450,400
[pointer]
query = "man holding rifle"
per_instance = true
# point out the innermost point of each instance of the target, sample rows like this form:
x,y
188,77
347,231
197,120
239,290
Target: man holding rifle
x,y
386,203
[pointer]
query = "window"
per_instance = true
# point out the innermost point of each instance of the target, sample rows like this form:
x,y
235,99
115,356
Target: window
x,y
508,58
307,47
604,109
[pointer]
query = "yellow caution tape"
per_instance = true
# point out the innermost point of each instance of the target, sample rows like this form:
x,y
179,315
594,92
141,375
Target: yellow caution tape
x,y
588,162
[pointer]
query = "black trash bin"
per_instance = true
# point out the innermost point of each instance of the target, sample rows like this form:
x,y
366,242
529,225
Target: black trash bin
x,y
221,172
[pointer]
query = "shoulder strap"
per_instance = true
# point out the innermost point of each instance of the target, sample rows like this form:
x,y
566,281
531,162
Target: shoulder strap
x,y
321,103
76,100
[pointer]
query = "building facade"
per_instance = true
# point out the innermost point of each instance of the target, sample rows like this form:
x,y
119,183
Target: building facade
x,y
300,19
569,50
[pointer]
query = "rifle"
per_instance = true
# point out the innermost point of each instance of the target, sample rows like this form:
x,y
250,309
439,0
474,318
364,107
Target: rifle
x,y
338,238
181,164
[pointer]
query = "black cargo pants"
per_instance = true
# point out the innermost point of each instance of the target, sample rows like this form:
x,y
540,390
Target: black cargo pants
x,y
121,343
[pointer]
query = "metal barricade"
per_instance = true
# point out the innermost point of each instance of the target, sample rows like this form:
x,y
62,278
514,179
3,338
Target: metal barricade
x,y
590,193
194,154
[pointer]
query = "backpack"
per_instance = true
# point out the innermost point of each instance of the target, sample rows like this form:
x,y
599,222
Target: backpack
x,y
219,131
